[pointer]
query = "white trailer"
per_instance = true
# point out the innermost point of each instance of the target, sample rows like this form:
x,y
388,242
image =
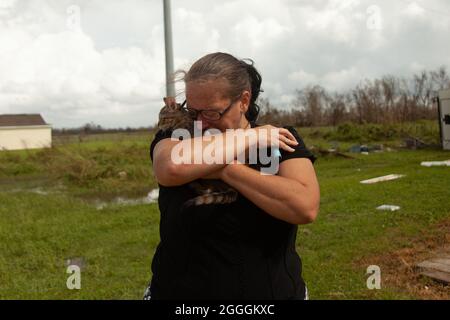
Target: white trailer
x,y
444,118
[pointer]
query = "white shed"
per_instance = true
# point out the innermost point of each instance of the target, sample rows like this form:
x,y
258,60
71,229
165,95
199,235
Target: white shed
x,y
444,118
24,131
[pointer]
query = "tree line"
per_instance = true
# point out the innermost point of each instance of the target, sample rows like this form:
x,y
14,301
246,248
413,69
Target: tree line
x,y
389,99
386,100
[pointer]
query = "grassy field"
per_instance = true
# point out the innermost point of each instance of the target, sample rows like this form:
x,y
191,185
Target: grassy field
x,y
49,212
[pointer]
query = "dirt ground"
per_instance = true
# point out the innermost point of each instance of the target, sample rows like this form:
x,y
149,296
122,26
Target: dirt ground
x,y
398,267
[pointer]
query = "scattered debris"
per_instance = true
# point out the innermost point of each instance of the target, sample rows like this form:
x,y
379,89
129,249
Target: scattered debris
x,y
437,268
306,231
383,178
365,149
334,145
151,197
398,262
388,207
377,148
414,143
358,148
39,191
435,163
329,152
122,175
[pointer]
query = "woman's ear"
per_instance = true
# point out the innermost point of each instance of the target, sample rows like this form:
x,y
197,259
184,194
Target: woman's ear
x,y
245,101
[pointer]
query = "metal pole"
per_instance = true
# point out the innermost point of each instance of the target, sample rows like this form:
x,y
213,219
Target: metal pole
x,y
170,85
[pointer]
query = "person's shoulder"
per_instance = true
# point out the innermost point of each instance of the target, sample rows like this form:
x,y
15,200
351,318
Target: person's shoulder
x,y
291,128
300,150
159,135
162,134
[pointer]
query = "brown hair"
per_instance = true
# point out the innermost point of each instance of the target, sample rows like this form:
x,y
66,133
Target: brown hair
x,y
239,74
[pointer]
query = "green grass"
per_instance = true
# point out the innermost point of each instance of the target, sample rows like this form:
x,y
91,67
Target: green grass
x,y
38,232
349,227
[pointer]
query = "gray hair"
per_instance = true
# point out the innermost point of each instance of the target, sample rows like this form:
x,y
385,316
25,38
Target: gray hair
x,y
239,74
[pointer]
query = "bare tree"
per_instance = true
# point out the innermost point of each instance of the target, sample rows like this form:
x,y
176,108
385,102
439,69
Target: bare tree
x,y
389,86
313,100
335,113
386,100
440,78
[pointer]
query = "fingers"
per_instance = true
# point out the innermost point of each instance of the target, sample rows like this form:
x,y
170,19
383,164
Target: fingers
x,y
284,146
285,138
288,140
288,134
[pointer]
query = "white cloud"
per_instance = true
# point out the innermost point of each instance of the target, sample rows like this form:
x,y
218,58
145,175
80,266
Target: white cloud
x,y
112,70
6,5
341,79
303,78
65,76
260,32
414,9
333,81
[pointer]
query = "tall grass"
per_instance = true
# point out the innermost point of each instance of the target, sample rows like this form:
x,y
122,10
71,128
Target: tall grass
x,y
90,165
95,164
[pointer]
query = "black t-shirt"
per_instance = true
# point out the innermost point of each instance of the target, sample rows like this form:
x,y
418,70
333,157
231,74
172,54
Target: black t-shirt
x,y
227,251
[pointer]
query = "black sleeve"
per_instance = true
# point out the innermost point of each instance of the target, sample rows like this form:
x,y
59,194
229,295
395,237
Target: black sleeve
x,y
300,150
158,137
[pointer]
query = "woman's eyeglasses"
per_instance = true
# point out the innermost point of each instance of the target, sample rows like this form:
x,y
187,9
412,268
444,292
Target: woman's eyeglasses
x,y
211,115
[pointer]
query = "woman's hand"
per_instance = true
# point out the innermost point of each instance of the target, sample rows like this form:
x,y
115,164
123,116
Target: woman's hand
x,y
270,136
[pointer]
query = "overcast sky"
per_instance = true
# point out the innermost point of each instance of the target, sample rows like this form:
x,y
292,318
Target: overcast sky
x,y
103,60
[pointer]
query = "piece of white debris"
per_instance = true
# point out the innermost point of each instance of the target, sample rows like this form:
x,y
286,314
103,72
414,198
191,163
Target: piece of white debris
x,y
153,195
383,178
435,163
122,175
388,207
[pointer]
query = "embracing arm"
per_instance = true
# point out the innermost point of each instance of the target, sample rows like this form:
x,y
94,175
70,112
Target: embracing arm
x,y
170,173
293,195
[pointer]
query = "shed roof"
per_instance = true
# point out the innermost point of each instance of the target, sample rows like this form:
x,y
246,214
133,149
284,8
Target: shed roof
x,y
17,120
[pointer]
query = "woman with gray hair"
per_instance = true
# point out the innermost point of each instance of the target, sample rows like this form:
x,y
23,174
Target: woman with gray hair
x,y
244,249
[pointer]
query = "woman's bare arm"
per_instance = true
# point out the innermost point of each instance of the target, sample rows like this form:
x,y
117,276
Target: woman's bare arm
x,y
293,195
170,173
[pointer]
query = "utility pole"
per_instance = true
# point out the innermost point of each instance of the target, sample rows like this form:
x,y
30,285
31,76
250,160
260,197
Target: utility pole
x,y
170,85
